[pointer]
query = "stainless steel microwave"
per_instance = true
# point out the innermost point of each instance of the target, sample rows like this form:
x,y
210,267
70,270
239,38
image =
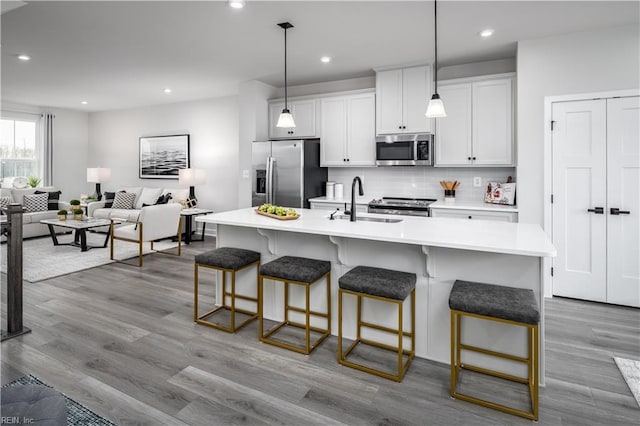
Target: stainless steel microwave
x,y
405,150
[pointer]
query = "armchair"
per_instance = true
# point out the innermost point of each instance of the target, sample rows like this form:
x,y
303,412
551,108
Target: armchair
x,y
154,223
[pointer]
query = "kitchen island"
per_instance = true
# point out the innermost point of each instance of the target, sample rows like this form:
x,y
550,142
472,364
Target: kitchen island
x,y
437,250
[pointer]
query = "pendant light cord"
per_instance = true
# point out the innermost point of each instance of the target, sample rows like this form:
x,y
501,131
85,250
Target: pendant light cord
x,y
286,106
435,18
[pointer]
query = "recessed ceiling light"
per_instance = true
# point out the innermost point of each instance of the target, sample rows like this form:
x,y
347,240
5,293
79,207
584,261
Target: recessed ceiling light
x,y
325,59
236,4
167,90
84,102
24,57
486,33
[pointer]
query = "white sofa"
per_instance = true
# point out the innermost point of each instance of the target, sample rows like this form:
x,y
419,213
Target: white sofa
x,y
31,221
144,195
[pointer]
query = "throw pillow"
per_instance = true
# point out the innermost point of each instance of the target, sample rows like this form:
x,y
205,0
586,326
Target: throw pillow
x,y
53,199
4,203
36,202
163,199
124,200
108,199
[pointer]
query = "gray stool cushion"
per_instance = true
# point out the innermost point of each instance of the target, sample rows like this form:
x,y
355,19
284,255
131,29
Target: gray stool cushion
x,y
227,257
44,405
509,303
379,282
296,269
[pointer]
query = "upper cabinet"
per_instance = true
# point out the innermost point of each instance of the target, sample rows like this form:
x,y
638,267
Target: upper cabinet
x,y
347,125
304,115
402,96
478,129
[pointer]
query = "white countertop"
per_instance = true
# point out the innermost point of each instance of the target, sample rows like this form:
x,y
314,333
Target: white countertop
x,y
473,205
347,200
508,238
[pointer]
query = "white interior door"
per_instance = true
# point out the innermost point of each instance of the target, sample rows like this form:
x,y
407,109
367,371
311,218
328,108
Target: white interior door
x,y
579,185
623,193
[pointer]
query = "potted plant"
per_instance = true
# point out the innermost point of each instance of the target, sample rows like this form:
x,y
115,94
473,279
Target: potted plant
x,y
75,204
33,181
62,214
77,214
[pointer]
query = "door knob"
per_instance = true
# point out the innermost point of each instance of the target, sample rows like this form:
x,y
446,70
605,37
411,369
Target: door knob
x,y
597,210
617,212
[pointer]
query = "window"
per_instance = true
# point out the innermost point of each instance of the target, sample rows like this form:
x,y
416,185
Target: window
x,y
19,148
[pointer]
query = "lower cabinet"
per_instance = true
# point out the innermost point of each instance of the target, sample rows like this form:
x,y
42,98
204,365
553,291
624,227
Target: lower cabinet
x,y
475,214
327,206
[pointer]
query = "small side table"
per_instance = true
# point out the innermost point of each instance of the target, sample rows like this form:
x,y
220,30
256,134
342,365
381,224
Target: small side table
x,y
189,214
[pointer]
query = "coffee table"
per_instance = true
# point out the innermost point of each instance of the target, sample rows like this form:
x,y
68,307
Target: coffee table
x,y
80,228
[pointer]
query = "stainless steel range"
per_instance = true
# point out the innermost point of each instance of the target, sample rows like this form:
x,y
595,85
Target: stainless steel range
x,y
402,206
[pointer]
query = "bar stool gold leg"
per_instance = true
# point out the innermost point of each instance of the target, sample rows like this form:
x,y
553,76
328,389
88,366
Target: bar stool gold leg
x,y
307,318
339,325
233,300
400,326
260,309
195,292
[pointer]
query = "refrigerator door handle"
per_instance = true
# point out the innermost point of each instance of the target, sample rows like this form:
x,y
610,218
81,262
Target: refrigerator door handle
x,y
268,188
272,174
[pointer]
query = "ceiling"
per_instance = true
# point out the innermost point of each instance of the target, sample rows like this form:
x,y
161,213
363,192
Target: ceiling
x,y
117,55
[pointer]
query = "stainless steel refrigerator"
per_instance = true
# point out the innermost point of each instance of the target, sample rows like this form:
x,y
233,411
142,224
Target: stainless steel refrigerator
x,y
286,172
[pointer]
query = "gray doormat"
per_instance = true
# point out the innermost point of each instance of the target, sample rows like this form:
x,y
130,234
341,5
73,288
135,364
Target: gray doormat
x,y
77,414
630,370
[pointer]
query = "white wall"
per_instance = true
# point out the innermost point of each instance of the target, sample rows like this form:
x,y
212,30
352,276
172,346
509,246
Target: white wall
x,y
71,153
419,182
213,128
599,60
253,116
70,147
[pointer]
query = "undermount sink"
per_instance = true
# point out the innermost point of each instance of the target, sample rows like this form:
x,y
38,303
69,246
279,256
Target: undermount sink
x,y
371,219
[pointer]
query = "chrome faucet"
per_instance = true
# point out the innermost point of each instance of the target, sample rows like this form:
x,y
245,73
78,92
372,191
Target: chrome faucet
x,y
353,197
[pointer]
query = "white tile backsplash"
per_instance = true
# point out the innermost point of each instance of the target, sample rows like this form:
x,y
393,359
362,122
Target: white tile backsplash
x,y
419,182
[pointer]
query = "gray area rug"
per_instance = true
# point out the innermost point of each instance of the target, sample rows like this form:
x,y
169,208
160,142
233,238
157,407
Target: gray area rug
x,y
630,370
77,414
42,260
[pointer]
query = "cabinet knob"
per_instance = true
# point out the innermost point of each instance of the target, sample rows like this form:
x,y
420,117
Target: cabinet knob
x,y
470,217
469,158
348,159
399,127
473,158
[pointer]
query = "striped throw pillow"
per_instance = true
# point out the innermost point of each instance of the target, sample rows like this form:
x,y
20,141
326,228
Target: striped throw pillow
x,y
123,200
4,203
36,203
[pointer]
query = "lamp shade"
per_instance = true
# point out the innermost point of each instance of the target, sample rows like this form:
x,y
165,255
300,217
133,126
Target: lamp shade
x,y
286,119
98,174
192,177
435,109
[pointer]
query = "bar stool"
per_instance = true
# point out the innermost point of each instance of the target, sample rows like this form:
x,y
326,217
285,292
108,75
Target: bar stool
x,y
232,260
507,305
388,286
303,272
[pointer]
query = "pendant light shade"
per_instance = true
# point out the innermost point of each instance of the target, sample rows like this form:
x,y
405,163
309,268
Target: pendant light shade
x,y
435,109
286,119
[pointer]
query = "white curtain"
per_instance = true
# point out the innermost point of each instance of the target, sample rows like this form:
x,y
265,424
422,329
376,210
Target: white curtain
x,y
47,149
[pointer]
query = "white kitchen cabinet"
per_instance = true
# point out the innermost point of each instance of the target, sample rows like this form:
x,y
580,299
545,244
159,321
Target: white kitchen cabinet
x,y
475,214
327,206
402,96
347,125
478,128
304,115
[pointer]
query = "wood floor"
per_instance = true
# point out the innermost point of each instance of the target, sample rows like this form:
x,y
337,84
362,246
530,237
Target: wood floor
x,y
121,340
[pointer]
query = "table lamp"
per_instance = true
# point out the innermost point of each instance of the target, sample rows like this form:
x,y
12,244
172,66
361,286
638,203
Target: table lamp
x,y
191,178
98,175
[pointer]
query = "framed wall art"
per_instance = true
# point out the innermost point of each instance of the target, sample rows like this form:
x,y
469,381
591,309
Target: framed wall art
x,y
162,156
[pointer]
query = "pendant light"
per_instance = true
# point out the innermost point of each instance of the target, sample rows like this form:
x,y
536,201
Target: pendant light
x,y
436,107
286,119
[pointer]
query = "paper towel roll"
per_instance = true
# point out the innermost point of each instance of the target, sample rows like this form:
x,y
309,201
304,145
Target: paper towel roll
x,y
339,190
330,190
